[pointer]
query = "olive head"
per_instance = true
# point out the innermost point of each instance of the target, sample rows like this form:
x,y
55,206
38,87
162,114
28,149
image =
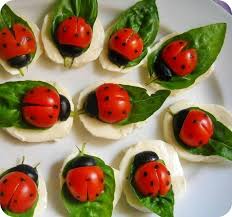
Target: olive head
x,y
20,61
162,71
91,106
65,108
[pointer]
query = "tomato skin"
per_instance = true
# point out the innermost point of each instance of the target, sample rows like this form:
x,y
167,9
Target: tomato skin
x,y
41,107
152,179
180,60
197,129
74,31
20,43
18,192
85,183
127,43
113,103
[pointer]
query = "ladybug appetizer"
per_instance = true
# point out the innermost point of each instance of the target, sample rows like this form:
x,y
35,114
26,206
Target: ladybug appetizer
x,y
76,38
40,111
153,176
113,110
179,61
18,47
22,190
199,132
87,180
128,40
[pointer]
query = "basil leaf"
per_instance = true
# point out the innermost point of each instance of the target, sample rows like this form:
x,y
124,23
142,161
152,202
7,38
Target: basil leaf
x,y
143,105
220,143
160,205
143,18
208,42
102,206
11,94
87,9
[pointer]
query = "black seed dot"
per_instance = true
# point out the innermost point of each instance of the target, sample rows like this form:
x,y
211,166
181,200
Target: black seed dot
x,y
88,179
125,30
191,56
150,194
55,106
1,194
5,181
123,44
167,183
136,51
50,116
32,91
116,37
152,183
145,174
48,90
22,180
181,42
18,44
31,195
106,88
205,115
124,112
102,180
64,29
24,29
183,66
194,121
3,33
69,184
32,118
78,197
109,112
174,58
107,98
4,46
70,18
97,195
88,33
156,166
15,201
200,142
76,35
168,173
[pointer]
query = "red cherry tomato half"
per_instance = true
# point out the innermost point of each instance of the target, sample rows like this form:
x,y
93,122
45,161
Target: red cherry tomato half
x,y
113,103
197,129
85,183
180,60
127,43
74,31
41,107
152,179
18,192
19,41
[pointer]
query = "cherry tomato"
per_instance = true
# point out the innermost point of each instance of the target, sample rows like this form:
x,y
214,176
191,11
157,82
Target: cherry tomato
x,y
19,41
74,31
197,129
113,103
41,107
18,192
180,60
152,179
127,43
85,183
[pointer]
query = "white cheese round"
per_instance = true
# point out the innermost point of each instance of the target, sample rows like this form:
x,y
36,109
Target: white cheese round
x,y
108,65
219,112
102,129
166,153
118,181
42,202
39,50
89,55
177,91
58,131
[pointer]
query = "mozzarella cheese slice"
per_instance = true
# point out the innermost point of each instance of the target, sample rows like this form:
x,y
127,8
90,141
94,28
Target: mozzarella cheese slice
x,y
58,131
108,65
219,112
166,153
42,202
99,128
118,181
89,55
156,86
39,51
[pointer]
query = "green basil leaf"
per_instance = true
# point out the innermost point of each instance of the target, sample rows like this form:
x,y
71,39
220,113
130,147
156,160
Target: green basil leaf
x,y
102,206
143,105
208,42
11,94
87,9
160,205
220,144
143,18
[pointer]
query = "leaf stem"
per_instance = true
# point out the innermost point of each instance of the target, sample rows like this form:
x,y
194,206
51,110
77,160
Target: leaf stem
x,y
68,61
21,71
151,81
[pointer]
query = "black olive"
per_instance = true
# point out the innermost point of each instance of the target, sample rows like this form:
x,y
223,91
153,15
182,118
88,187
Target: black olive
x,y
83,161
28,170
117,58
162,72
178,120
65,108
144,157
20,61
69,50
91,106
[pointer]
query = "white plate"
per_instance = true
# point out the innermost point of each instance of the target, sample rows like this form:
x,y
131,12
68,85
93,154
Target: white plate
x,y
209,186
